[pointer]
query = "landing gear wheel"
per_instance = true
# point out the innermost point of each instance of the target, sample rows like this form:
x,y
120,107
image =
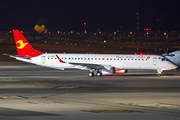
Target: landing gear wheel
x,y
99,74
159,75
91,74
159,72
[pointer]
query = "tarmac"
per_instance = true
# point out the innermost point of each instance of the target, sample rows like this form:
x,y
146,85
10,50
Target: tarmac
x,y
32,92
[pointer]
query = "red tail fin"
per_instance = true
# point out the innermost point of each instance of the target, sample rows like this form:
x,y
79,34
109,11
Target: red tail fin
x,y
24,48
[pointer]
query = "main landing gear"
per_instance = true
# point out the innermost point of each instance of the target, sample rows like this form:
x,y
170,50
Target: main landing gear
x,y
95,72
159,72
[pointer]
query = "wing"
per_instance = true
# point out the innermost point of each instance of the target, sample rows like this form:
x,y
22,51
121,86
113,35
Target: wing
x,y
88,66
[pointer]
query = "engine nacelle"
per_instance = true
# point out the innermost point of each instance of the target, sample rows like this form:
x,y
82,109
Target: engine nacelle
x,y
174,57
113,70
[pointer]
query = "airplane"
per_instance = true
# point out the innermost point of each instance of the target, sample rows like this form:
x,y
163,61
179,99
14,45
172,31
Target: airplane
x,y
34,35
37,32
97,64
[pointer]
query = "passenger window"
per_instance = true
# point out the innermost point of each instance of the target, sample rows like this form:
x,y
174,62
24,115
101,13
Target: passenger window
x,y
95,58
84,58
99,58
88,58
91,58
118,59
107,59
114,58
81,58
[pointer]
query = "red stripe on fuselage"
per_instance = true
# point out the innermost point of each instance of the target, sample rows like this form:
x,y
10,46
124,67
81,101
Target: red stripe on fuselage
x,y
61,61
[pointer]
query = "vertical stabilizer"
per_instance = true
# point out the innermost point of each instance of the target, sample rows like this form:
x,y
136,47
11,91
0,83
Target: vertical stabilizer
x,y
23,47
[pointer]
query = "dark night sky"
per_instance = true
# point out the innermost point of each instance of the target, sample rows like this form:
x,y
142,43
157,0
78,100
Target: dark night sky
x,y
66,15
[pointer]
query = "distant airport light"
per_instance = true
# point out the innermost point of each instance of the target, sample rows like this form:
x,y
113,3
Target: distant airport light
x,y
117,30
49,32
10,31
45,31
68,32
84,23
175,31
72,32
98,29
137,13
85,31
158,20
58,32
121,27
114,33
64,32
130,33
104,41
164,34
21,31
147,29
99,32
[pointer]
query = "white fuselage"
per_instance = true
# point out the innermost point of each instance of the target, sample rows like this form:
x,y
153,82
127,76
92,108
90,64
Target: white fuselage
x,y
120,61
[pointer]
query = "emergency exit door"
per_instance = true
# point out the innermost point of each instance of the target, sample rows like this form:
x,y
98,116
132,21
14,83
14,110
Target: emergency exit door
x,y
154,61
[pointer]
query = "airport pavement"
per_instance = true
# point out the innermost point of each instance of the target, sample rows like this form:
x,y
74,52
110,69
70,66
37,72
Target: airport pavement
x,y
32,92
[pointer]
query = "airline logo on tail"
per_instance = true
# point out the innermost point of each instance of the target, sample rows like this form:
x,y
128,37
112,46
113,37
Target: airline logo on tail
x,y
21,44
39,29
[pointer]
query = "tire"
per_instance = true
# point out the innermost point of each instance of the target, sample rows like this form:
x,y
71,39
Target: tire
x,y
91,74
99,74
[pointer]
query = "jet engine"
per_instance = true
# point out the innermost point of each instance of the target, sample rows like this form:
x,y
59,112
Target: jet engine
x,y
112,70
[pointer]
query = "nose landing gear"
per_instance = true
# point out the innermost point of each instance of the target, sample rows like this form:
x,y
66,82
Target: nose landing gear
x,y
159,72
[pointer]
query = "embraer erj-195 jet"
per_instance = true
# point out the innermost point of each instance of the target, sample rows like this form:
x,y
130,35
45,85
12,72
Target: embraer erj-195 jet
x,y
97,64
